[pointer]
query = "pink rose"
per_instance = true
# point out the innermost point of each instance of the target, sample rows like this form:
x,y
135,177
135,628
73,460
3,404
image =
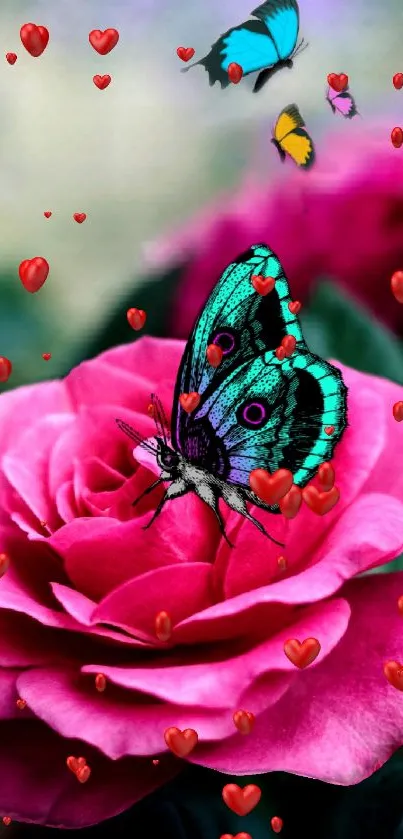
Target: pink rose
x,y
82,593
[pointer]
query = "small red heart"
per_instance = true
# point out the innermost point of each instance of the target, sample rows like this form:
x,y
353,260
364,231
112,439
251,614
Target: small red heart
x,y
276,824
83,774
241,835
244,721
302,654
241,801
337,81
101,82
155,762
4,563
396,137
282,563
295,306
185,53
11,57
214,355
136,318
289,343
163,626
34,38
326,475
291,503
6,820
263,285
100,682
320,502
181,743
75,763
280,353
47,214
103,42
6,368
398,81
396,284
79,217
21,704
189,401
33,273
400,604
270,488
46,356
393,671
235,72
329,430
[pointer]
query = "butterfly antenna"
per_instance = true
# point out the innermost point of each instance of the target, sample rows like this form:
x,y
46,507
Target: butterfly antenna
x,y
160,419
134,435
301,47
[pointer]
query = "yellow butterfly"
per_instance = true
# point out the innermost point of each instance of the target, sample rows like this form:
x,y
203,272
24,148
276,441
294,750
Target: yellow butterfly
x,y
290,137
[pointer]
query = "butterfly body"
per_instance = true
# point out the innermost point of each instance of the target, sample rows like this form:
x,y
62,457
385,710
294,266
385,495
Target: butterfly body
x,y
264,45
255,410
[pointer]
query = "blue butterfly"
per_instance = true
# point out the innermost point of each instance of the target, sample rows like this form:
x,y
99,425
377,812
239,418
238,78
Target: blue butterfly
x,y
254,410
264,45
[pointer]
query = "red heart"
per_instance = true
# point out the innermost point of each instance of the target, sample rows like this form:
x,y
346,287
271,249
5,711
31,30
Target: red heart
x,y
291,503
47,214
33,273
83,774
289,343
302,654
320,502
100,682
189,401
11,57
396,284
155,762
295,306
263,285
329,430
282,562
75,763
396,137
4,563
46,356
241,801
394,673
103,42
6,820
214,355
101,82
270,488
21,704
235,72
244,721
79,217
280,353
163,626
34,38
136,318
241,835
5,368
326,475
398,81
181,743
400,604
276,824
337,81
185,53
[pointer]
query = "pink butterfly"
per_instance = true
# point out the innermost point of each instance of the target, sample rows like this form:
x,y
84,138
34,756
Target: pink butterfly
x,y
342,102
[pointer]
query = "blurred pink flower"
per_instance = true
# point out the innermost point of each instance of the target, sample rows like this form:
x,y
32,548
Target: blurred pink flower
x,y
343,220
83,590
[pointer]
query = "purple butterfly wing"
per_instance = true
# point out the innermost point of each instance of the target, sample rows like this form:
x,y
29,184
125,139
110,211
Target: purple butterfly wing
x,y
342,102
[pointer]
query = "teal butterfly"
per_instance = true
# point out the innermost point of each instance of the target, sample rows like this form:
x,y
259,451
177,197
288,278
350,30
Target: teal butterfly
x,y
264,45
254,410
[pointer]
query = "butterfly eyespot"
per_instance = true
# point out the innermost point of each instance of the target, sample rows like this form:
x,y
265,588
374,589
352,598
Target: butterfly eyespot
x,y
225,339
253,414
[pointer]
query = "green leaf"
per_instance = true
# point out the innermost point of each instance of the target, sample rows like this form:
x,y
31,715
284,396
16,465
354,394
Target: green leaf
x,y
335,326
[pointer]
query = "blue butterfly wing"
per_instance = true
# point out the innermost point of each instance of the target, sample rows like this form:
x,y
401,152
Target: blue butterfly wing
x,y
281,17
248,45
255,411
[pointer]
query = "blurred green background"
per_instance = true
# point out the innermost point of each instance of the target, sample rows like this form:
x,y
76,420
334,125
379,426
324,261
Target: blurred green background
x,y
149,152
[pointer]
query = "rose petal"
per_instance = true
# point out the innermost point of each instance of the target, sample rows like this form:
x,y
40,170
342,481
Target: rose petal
x,y
350,549
339,718
44,399
37,787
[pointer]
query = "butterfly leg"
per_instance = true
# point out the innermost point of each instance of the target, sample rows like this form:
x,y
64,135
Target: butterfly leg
x,y
176,489
211,497
236,502
146,491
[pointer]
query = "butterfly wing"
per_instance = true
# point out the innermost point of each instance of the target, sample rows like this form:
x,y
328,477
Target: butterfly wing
x,y
292,138
282,20
248,45
342,102
255,411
